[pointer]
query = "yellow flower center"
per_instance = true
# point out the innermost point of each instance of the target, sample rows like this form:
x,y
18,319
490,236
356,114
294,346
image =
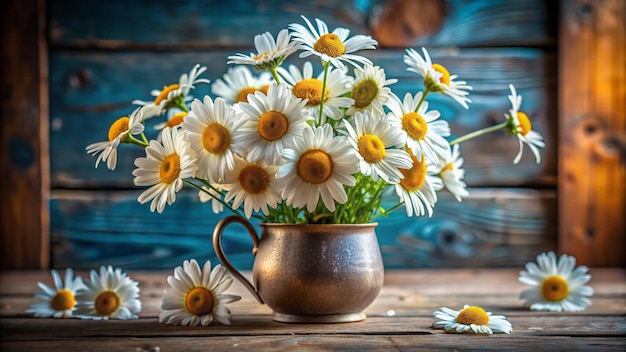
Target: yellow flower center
x,y
371,148
107,302
262,56
473,315
242,96
215,138
447,167
170,168
330,44
364,93
163,95
315,166
199,301
445,77
414,177
176,119
311,89
415,125
118,127
254,179
62,300
554,288
524,123
273,125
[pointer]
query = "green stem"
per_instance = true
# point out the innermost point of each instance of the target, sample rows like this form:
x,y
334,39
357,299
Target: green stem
x,y
275,75
132,140
212,195
388,211
326,67
479,133
422,99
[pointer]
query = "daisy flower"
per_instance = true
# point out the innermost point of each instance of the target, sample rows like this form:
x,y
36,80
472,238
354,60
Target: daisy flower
x,y
421,130
165,166
253,185
318,163
119,132
110,295
212,195
332,47
212,130
436,77
471,319
557,286
519,124
173,121
369,89
452,174
270,53
271,120
197,296
238,82
57,302
304,86
417,187
373,139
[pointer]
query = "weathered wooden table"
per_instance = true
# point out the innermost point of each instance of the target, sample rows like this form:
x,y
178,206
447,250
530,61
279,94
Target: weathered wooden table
x,y
399,320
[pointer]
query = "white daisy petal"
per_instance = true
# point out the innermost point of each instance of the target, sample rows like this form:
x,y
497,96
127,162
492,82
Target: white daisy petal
x,y
471,319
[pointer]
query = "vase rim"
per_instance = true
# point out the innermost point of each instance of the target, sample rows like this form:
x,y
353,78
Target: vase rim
x,y
368,224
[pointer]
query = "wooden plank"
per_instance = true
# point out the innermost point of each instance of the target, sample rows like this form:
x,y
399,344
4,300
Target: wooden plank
x,y
189,24
91,89
592,128
24,219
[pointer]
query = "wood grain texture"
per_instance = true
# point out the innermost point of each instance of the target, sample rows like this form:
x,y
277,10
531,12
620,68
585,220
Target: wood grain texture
x,y
24,218
592,130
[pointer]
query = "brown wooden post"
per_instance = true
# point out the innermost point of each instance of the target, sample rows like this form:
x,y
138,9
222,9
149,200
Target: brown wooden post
x,y
24,186
592,129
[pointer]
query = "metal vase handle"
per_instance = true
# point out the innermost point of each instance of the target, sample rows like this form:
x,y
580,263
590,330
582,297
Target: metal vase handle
x,y
219,250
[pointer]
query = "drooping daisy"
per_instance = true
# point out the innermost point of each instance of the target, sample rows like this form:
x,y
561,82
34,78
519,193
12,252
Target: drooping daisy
x,y
118,133
436,77
332,47
471,319
421,130
110,295
173,121
317,164
196,297
238,82
557,286
304,86
212,130
369,89
165,166
253,185
417,187
57,302
520,125
374,140
270,53
452,174
212,195
270,121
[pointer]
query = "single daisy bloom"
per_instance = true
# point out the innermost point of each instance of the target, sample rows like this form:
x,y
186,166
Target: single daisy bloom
x,y
471,319
118,133
270,121
417,187
110,295
332,47
270,53
369,90
452,174
421,130
173,121
253,185
58,301
318,163
556,285
214,195
304,86
196,297
436,77
165,166
519,124
375,139
238,82
212,129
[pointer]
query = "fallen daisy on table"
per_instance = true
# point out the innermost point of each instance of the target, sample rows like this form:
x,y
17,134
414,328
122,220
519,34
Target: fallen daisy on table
x,y
58,301
471,319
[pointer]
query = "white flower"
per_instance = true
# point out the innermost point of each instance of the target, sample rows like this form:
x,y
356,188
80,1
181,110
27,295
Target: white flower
x,y
317,164
452,174
374,139
522,128
436,77
164,168
238,82
57,302
272,120
197,296
112,294
118,133
417,187
270,53
253,185
212,130
557,286
369,90
212,195
332,47
471,319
